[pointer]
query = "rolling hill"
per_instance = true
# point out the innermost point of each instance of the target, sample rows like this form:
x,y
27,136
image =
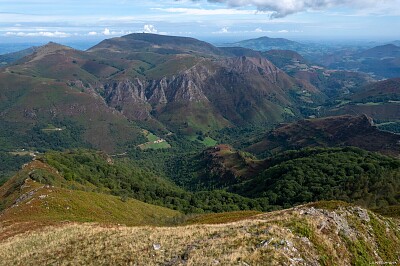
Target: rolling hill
x,y
357,131
387,50
381,61
382,91
379,100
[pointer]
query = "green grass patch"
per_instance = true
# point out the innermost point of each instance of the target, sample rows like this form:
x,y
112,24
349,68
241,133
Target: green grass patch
x,y
288,111
300,227
155,146
360,252
329,205
370,104
206,141
154,142
219,218
386,240
80,206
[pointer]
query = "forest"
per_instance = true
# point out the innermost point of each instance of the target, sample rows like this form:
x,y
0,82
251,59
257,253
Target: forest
x,y
289,179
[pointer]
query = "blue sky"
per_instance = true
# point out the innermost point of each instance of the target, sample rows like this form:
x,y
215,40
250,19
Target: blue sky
x,y
208,20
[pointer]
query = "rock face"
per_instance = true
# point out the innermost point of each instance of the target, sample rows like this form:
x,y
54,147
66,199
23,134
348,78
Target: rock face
x,y
129,97
240,89
136,97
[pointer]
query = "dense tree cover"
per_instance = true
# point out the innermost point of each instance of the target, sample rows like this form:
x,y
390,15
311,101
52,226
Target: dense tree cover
x,y
290,178
348,174
10,129
208,171
240,137
120,177
158,161
69,136
42,136
9,164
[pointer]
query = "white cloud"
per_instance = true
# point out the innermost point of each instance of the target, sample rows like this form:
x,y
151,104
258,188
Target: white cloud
x,y
282,8
106,32
223,30
57,34
149,29
92,33
206,12
283,31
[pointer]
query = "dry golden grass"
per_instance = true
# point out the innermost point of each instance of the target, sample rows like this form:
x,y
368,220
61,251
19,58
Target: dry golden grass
x,y
95,245
300,236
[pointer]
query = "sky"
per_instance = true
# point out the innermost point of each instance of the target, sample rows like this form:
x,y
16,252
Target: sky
x,y
212,20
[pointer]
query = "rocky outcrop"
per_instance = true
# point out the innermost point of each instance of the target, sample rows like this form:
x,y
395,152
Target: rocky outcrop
x,y
240,89
132,91
252,65
156,92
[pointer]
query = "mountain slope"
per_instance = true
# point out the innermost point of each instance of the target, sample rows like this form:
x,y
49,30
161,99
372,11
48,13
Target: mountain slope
x,y
213,86
379,100
39,194
181,84
328,233
382,91
344,130
51,88
296,177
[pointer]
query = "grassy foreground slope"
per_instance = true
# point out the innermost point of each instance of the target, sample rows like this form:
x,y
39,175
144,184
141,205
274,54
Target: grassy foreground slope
x,y
327,233
27,198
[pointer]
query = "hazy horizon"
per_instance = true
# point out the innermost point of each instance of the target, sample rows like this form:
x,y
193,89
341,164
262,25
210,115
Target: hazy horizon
x,y
213,21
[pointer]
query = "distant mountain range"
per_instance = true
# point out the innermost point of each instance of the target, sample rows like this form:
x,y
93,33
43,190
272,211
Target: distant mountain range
x,y
331,82
171,84
266,43
381,61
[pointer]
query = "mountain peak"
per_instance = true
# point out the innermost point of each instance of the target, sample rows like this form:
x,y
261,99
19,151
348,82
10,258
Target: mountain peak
x,y
49,48
162,44
54,46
